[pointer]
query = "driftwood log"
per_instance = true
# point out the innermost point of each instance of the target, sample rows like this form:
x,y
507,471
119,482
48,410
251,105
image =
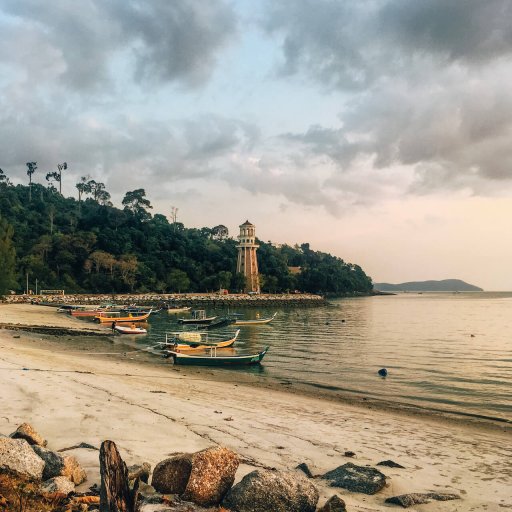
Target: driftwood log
x,y
115,494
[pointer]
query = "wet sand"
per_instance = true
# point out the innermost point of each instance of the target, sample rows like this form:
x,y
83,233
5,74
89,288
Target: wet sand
x,y
74,389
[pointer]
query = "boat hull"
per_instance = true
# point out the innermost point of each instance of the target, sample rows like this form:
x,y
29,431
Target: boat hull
x,y
110,319
257,321
216,360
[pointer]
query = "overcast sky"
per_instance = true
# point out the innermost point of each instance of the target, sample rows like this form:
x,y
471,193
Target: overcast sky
x,y
377,130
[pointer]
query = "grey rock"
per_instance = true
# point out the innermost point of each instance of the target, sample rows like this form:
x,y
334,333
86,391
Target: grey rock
x,y
17,455
390,464
27,432
140,471
415,498
278,491
334,504
305,469
58,484
356,478
170,476
60,465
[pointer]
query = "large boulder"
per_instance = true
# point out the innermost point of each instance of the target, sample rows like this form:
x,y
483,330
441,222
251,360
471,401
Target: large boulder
x,y
61,465
356,478
27,432
57,485
278,491
17,455
170,476
203,477
212,475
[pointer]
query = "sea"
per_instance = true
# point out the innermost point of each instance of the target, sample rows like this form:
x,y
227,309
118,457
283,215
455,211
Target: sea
x,y
445,352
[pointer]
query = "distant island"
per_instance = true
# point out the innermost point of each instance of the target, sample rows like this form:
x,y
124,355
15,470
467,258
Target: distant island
x,y
445,285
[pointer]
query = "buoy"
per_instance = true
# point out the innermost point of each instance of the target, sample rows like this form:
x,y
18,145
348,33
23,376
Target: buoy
x,y
383,372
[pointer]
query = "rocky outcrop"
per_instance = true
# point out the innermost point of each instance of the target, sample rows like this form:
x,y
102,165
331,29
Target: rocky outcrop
x,y
61,465
305,469
278,491
27,432
17,455
59,485
415,498
356,478
203,477
334,504
390,464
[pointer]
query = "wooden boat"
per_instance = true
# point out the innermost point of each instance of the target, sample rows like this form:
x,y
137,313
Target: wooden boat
x,y
178,309
213,359
221,321
115,317
256,321
132,329
95,311
194,341
198,317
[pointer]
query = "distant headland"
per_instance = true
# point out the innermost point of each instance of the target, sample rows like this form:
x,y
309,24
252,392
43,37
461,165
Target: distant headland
x,y
445,285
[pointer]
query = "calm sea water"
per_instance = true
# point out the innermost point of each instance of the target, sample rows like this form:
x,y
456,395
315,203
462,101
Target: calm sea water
x,y
443,351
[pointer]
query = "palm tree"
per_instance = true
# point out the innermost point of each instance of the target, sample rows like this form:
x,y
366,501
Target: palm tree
x,y
31,167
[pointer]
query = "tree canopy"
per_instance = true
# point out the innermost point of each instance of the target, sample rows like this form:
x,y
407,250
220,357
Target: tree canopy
x,y
88,245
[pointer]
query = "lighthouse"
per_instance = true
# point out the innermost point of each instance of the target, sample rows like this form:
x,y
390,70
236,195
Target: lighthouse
x,y
247,263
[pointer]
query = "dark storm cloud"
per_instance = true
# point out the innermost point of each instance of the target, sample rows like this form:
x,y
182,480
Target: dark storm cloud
x,y
425,84
165,41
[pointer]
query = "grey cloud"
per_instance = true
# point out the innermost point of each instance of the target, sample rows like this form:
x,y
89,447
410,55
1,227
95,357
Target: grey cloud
x,y
90,41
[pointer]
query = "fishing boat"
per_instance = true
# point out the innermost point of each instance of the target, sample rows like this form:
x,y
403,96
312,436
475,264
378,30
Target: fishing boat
x,y
194,341
221,321
178,309
198,317
95,311
132,329
214,359
255,321
104,318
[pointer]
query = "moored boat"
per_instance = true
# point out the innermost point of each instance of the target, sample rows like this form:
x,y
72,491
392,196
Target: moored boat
x,y
214,359
255,321
178,309
131,329
195,341
116,317
198,317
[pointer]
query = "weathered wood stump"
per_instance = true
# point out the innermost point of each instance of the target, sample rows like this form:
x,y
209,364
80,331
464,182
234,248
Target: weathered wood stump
x,y
115,495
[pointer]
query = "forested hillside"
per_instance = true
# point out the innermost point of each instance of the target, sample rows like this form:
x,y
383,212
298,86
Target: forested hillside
x,y
88,245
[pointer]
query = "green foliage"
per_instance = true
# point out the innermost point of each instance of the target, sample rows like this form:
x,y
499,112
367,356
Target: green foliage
x,y
7,258
90,246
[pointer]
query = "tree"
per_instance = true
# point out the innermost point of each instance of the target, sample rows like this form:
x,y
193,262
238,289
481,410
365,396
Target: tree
x,y
3,178
220,232
178,281
136,202
7,257
100,195
61,167
31,168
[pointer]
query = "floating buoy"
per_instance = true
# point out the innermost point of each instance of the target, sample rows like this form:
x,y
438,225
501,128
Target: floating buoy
x,y
383,372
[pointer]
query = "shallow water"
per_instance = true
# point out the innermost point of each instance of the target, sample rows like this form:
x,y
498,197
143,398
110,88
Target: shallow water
x,y
450,352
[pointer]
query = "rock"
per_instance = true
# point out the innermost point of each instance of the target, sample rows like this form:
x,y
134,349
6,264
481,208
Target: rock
x,y
356,478
61,465
276,491
305,469
349,454
390,464
58,484
140,471
27,432
414,498
171,475
212,475
334,504
17,455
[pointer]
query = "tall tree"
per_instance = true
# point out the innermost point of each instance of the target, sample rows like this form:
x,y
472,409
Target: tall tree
x,y
136,202
220,232
61,167
7,257
31,168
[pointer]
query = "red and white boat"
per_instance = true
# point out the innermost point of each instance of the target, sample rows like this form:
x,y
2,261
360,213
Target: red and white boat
x,y
130,329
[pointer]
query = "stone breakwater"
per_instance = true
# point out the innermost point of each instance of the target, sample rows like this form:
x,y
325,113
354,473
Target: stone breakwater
x,y
178,299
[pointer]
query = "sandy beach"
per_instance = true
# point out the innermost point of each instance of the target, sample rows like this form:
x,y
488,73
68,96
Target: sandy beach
x,y
152,409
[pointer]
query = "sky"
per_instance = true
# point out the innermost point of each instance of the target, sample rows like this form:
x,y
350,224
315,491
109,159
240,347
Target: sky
x,y
377,130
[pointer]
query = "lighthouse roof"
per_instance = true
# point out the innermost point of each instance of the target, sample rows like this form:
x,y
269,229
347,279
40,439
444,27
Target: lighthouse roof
x,y
246,223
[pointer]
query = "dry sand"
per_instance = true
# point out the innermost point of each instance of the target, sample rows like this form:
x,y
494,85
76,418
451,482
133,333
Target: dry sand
x,y
152,410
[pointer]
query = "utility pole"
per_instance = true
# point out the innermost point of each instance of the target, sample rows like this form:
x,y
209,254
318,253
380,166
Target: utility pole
x,y
27,285
36,285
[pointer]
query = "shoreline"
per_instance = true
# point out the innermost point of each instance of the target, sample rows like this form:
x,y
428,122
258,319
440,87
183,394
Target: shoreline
x,y
75,389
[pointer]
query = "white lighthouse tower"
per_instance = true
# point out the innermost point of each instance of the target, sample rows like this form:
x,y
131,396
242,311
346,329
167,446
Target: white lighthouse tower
x,y
247,262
